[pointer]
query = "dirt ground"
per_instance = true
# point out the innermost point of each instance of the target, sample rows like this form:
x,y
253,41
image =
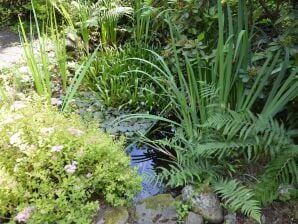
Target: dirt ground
x,y
11,51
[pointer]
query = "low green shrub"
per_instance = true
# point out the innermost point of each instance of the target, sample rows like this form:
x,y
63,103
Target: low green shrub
x,y
53,168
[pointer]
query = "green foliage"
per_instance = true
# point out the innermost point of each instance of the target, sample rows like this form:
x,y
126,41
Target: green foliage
x,y
53,166
106,14
281,170
144,13
39,69
10,10
182,210
212,142
238,197
227,142
115,87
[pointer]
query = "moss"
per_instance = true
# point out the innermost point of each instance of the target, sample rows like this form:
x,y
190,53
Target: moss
x,y
118,215
160,201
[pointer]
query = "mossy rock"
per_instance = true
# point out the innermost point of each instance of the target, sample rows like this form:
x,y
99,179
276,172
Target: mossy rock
x,y
157,209
118,215
160,200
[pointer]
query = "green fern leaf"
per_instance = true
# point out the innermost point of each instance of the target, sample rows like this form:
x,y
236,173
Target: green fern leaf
x,y
238,197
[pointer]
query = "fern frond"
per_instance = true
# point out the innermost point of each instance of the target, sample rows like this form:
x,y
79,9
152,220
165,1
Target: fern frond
x,y
186,172
238,197
263,134
281,170
110,11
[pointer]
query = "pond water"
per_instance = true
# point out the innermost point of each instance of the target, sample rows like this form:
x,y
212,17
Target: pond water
x,y
144,159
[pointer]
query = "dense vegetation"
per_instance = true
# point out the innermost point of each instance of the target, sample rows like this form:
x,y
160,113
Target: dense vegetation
x,y
218,79
56,165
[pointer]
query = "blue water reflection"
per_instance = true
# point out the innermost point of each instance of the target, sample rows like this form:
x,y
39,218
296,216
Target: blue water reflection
x,y
143,159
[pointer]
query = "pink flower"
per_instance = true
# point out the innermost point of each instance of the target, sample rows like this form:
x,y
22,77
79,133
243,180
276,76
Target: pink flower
x,y
75,132
56,102
57,148
71,168
24,215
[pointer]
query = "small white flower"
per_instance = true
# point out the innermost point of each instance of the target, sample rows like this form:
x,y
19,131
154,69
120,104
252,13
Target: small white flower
x,y
89,175
71,168
57,148
45,131
75,132
56,102
15,139
24,215
17,105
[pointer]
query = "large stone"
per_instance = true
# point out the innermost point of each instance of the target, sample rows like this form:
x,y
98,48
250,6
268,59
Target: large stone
x,y
117,215
204,203
156,209
193,218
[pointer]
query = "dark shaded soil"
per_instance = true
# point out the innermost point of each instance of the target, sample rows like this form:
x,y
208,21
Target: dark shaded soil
x,y
8,38
276,213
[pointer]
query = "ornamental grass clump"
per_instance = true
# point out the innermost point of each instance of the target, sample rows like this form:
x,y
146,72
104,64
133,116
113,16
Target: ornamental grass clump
x,y
54,168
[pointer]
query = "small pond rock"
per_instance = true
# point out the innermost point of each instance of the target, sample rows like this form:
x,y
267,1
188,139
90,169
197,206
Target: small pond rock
x,y
204,203
156,209
193,218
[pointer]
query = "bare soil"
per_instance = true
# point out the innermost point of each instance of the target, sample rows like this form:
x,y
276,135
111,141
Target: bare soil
x,y
11,51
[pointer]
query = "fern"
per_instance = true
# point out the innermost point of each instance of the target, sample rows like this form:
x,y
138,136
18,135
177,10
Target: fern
x,y
281,170
255,134
226,139
238,197
105,11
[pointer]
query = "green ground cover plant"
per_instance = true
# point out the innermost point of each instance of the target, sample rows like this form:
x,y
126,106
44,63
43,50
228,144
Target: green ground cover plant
x,y
54,168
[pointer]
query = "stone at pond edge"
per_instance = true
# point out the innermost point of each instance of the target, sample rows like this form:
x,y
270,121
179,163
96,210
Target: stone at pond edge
x,y
230,219
193,218
204,203
118,215
156,209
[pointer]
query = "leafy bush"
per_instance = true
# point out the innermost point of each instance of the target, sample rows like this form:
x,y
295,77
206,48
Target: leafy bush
x,y
10,9
53,167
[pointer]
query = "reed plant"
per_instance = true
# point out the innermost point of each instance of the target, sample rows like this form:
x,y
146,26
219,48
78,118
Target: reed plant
x,y
58,37
143,18
77,80
39,69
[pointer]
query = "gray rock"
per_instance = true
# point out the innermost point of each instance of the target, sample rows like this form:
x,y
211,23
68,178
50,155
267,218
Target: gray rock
x,y
193,218
230,219
204,203
156,209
